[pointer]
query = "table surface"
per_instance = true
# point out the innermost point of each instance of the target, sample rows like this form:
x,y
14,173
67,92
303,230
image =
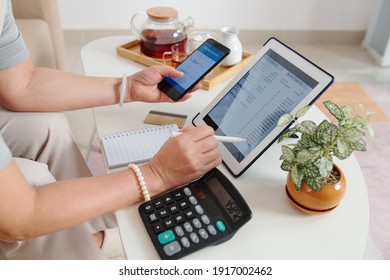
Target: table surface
x,y
277,229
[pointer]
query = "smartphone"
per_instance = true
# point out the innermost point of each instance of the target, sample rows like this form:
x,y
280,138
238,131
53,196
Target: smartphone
x,y
200,62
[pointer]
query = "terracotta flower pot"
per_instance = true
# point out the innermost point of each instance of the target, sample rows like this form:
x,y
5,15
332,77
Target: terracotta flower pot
x,y
313,202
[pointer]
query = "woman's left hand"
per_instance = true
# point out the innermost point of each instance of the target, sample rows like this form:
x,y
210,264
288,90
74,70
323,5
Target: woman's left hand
x,y
142,86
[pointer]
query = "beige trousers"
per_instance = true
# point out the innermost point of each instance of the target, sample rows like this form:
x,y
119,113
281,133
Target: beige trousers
x,y
45,150
46,138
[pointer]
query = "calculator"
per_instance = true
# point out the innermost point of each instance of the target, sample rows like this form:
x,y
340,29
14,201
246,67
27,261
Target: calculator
x,y
205,212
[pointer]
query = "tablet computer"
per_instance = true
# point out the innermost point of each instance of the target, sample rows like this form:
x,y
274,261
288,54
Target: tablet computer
x,y
278,80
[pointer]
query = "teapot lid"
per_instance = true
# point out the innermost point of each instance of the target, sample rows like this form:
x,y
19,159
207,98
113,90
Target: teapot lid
x,y
162,13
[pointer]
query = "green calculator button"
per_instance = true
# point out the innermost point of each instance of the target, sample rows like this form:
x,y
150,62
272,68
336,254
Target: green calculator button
x,y
166,237
220,226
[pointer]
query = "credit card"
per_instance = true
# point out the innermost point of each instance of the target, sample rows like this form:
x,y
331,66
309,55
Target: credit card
x,y
158,117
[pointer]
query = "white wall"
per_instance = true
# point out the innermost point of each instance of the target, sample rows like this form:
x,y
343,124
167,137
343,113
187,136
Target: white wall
x,y
213,14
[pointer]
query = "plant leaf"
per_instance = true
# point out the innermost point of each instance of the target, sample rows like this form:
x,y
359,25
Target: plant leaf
x,y
286,165
347,111
334,110
326,132
310,170
369,114
285,119
359,123
314,183
324,166
318,151
287,133
370,130
352,135
297,177
308,127
342,149
305,142
287,154
302,111
358,146
304,156
312,176
345,123
342,146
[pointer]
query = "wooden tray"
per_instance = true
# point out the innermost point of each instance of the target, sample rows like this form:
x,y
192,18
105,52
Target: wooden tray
x,y
219,74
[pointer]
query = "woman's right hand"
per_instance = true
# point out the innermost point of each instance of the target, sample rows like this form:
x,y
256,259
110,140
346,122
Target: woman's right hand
x,y
184,158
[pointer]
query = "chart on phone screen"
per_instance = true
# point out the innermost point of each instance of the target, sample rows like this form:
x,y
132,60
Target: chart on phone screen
x,y
194,67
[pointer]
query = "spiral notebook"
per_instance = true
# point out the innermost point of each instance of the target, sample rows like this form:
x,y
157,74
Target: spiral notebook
x,y
135,146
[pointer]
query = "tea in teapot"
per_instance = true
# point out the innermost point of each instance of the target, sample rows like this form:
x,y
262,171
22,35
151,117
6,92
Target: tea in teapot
x,y
160,30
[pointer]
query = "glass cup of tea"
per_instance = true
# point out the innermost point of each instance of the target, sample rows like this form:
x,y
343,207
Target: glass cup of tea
x,y
197,37
178,53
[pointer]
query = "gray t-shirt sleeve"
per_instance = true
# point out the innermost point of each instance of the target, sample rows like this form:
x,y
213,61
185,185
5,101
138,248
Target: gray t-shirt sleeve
x,y
5,154
13,50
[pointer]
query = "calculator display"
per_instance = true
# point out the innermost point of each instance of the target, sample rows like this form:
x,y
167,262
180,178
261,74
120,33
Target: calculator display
x,y
231,206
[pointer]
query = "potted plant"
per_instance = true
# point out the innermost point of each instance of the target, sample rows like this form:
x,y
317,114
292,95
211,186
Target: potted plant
x,y
314,183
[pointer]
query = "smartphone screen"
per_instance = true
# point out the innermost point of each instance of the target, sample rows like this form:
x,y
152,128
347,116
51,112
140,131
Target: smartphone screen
x,y
195,67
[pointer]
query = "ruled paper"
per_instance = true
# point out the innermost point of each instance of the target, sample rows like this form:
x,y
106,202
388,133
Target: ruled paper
x,y
135,146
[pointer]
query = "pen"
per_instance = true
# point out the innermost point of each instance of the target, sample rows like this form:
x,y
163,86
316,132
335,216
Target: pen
x,y
123,90
218,137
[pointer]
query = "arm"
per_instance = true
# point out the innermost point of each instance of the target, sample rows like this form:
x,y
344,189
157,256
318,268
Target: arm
x,y
60,205
29,88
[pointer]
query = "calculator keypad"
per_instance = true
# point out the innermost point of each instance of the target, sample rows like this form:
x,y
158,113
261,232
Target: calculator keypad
x,y
180,222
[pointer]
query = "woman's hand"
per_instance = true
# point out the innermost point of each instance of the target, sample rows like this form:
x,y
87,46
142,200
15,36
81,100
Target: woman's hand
x,y
142,86
185,158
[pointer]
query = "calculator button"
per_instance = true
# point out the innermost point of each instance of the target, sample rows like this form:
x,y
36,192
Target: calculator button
x,y
158,203
185,242
188,227
187,191
220,226
194,238
178,195
163,213
199,209
205,219
196,223
172,248
184,205
166,237
189,214
179,231
193,200
152,217
203,233
169,223
173,209
147,208
158,227
179,218
211,229
168,200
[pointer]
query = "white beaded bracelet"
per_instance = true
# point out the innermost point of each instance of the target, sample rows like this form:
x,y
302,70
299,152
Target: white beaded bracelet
x,y
141,181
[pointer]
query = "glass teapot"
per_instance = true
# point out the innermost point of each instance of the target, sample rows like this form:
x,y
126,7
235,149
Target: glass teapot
x,y
160,30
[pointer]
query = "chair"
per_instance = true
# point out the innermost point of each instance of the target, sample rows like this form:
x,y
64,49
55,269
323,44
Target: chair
x,y
40,24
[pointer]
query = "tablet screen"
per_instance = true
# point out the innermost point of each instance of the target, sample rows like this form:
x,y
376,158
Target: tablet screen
x,y
277,81
251,109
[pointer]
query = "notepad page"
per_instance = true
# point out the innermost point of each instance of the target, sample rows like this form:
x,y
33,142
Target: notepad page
x,y
135,146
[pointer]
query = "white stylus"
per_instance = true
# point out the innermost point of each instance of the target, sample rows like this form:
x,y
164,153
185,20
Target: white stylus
x,y
218,137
